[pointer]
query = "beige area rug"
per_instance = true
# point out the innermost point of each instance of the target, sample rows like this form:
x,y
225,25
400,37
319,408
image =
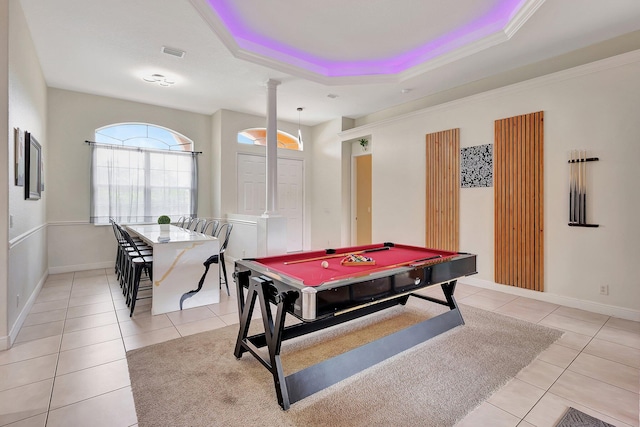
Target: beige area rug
x,y
197,381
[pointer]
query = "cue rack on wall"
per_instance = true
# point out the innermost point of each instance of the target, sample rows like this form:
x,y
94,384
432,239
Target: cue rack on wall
x,y
578,188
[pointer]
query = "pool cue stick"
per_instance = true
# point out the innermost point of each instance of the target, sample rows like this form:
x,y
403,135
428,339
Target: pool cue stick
x,y
583,210
575,185
580,195
578,192
343,254
579,187
571,186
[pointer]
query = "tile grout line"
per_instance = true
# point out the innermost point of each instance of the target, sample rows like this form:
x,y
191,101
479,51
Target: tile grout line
x,y
548,390
58,360
55,371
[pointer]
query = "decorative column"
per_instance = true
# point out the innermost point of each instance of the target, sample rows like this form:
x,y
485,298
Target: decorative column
x,y
272,149
272,228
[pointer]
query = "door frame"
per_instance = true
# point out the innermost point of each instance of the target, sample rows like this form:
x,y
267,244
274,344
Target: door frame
x,y
355,149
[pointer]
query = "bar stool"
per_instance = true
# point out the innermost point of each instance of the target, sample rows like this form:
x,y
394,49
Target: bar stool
x,y
211,227
137,263
188,223
200,225
124,248
224,230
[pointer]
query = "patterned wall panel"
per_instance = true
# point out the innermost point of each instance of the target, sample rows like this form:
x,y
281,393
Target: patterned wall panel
x,y
519,207
442,216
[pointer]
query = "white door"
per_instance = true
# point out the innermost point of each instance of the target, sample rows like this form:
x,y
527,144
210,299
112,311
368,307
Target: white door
x,y
251,184
252,193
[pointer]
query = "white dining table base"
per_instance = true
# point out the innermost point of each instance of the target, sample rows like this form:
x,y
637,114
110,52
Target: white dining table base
x,y
178,266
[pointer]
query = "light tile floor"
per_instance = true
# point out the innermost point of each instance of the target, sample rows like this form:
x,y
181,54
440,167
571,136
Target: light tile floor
x,y
68,365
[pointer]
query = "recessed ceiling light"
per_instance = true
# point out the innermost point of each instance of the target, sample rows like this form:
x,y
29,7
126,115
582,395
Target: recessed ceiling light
x,y
174,52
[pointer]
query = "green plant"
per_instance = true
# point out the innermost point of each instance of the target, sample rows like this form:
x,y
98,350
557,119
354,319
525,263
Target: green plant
x,y
364,142
164,219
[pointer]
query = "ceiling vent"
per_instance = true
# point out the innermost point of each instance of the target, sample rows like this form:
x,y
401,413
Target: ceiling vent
x,y
171,51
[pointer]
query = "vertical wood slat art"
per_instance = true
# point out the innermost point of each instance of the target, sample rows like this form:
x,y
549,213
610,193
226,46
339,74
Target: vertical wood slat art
x,y
519,208
443,190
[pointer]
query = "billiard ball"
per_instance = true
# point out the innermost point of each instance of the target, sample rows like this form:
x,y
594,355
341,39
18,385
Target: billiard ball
x,y
325,264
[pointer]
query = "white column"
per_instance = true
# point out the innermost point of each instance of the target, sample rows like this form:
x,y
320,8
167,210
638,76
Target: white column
x,y
272,228
272,150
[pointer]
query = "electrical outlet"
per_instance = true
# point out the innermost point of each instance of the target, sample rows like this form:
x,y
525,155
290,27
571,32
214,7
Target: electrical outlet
x,y
604,289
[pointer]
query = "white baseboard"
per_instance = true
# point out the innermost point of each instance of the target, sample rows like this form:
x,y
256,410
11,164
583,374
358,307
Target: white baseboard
x,y
15,329
609,310
4,342
81,267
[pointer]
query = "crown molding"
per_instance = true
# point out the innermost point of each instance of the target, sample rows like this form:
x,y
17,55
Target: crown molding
x,y
582,70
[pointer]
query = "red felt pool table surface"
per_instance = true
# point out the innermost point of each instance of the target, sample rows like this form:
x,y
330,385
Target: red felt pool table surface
x,y
307,266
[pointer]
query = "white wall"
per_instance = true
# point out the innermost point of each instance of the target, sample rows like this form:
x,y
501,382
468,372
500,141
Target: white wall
x,y
5,139
325,178
74,244
26,260
593,107
243,242
326,192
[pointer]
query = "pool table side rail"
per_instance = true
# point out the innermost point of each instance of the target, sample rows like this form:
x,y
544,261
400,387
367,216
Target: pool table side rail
x,y
345,294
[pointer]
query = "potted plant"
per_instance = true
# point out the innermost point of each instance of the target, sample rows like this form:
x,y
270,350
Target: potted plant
x,y
364,143
164,222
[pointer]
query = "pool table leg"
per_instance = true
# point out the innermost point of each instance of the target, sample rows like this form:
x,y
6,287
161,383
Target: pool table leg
x,y
257,289
449,289
292,388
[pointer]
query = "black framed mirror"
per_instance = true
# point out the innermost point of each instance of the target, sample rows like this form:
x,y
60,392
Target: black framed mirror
x,y
32,168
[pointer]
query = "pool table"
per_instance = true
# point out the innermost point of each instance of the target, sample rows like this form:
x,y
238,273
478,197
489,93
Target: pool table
x,y
330,287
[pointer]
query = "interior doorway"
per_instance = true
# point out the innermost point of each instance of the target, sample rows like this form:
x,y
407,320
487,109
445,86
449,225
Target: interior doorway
x,y
362,189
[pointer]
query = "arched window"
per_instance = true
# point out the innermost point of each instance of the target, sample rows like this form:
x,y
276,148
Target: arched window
x,y
258,136
140,171
142,135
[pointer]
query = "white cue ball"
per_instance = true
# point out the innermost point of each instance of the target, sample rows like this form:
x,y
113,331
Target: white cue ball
x,y
325,264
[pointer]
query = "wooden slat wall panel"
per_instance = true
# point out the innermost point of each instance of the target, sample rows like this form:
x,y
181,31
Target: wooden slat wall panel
x,y
443,190
519,209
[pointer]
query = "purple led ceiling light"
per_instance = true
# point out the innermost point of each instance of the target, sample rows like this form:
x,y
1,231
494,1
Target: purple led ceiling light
x,y
496,20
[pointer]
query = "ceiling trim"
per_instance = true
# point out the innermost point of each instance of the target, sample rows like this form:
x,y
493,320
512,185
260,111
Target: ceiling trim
x,y
621,60
524,13
431,59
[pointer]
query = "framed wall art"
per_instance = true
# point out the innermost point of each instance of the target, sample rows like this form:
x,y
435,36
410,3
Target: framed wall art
x,y
18,152
33,168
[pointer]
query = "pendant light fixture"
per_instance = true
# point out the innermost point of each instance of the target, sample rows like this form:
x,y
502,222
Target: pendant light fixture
x,y
299,131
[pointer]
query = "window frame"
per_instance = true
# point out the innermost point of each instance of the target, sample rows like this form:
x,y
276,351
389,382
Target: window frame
x,y
111,161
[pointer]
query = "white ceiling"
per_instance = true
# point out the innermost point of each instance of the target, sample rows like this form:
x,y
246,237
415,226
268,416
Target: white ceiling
x,y
105,47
